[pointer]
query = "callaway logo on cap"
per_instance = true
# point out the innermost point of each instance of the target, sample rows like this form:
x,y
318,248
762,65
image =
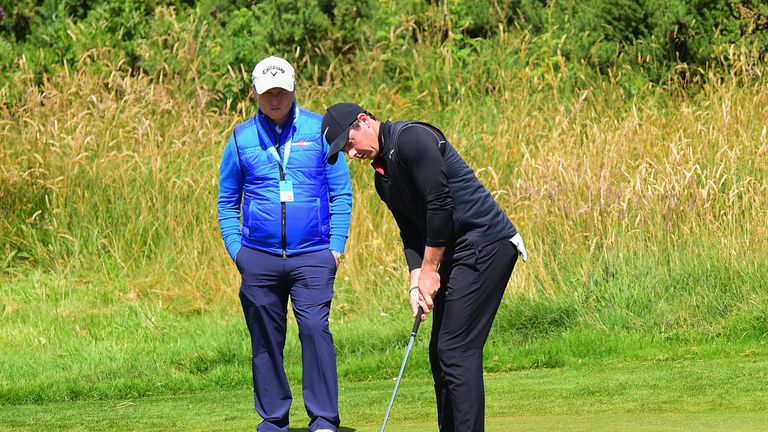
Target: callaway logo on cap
x,y
272,72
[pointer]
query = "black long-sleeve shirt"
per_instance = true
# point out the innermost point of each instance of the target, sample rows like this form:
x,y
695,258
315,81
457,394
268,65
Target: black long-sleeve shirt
x,y
433,195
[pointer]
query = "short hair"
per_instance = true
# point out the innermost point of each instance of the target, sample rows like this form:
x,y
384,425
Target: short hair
x,y
356,124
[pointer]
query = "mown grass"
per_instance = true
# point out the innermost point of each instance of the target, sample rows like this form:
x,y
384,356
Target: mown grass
x,y
135,350
661,394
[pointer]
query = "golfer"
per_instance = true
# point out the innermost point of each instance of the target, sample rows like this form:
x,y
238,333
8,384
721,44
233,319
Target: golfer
x,y
295,210
459,245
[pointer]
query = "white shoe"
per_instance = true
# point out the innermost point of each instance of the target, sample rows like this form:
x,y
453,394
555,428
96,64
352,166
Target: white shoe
x,y
323,430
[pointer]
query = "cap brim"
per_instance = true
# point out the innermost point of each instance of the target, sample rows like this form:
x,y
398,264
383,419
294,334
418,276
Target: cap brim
x,y
261,88
337,145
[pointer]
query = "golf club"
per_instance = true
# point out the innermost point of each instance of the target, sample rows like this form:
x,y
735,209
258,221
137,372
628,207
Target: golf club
x,y
415,329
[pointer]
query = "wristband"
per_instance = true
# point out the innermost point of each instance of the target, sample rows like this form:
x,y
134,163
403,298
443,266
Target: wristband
x,y
413,288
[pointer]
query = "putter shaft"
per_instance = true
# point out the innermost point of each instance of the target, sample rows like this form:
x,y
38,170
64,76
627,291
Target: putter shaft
x,y
415,330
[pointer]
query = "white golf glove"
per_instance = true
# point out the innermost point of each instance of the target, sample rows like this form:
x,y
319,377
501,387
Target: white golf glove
x,y
517,240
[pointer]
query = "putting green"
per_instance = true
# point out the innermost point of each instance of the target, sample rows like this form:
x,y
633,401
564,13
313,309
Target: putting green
x,y
694,395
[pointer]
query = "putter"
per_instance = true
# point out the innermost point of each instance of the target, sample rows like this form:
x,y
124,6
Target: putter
x,y
402,368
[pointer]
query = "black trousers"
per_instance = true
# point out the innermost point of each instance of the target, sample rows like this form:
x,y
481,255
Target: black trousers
x,y
465,307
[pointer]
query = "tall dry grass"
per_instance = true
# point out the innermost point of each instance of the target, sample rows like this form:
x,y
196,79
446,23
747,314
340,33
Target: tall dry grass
x,y
112,179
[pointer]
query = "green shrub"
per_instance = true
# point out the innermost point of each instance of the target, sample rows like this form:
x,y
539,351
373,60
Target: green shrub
x,y
635,43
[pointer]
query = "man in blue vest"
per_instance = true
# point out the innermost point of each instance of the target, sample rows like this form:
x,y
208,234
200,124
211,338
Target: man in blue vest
x,y
295,210
459,245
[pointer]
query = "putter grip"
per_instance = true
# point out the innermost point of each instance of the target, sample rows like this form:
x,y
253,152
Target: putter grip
x,y
417,321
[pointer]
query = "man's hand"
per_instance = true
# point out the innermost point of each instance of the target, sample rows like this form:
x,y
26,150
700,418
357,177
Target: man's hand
x,y
428,277
337,256
429,284
415,299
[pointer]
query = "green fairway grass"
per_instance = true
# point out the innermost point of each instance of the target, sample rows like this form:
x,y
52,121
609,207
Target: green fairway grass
x,y
726,394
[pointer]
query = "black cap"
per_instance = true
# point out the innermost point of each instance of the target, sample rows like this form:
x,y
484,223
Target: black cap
x,y
336,122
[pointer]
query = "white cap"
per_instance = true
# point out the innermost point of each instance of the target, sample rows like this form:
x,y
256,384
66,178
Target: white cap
x,y
272,72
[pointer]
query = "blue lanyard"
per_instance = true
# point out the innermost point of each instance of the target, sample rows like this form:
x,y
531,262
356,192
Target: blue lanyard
x,y
273,151
286,154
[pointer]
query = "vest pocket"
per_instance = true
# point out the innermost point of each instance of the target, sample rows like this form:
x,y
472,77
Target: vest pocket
x,y
302,223
263,223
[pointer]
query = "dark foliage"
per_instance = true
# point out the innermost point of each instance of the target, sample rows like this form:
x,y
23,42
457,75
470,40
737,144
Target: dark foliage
x,y
658,39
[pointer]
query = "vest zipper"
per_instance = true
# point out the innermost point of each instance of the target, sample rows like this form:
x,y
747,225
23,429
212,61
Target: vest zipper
x,y
278,139
282,222
284,241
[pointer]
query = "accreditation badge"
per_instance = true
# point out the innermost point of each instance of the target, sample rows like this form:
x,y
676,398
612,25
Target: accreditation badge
x,y
286,191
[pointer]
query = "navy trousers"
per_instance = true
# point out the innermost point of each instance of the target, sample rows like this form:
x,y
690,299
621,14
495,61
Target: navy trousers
x,y
267,283
469,297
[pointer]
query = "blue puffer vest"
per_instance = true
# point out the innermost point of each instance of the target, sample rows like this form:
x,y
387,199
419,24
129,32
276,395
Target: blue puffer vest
x,y
301,225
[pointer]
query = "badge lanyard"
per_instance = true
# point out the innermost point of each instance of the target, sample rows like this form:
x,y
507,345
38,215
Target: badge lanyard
x,y
286,186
